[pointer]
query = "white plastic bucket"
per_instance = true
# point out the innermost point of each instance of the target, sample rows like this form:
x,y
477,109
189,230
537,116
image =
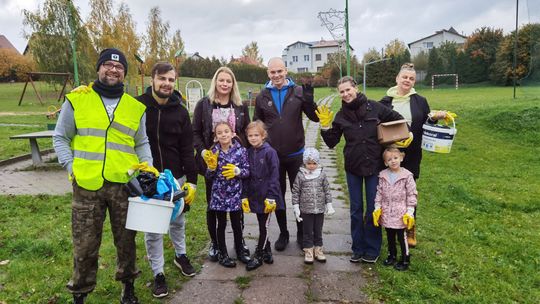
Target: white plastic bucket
x,y
149,216
438,138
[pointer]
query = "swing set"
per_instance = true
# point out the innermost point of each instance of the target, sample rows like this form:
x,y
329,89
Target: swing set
x,y
31,75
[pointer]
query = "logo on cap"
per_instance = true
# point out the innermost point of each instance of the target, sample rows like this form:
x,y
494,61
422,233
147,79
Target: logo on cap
x,y
115,57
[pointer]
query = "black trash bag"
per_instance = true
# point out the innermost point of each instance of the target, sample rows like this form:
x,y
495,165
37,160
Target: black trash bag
x,y
178,194
134,188
148,183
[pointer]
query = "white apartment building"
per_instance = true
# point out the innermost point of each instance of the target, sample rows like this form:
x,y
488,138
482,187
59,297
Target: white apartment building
x,y
427,43
311,56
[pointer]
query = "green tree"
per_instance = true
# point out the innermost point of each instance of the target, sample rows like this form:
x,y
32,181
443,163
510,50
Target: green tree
x,y
395,48
481,47
99,23
435,64
157,38
127,40
528,38
49,39
421,61
177,44
252,51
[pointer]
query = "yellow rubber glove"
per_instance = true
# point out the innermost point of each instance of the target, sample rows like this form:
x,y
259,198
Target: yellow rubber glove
x,y
245,205
143,167
190,190
450,117
406,142
269,205
211,159
408,220
230,171
325,116
83,89
376,215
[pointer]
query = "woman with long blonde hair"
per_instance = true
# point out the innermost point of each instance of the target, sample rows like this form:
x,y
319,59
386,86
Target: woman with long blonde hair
x,y
223,104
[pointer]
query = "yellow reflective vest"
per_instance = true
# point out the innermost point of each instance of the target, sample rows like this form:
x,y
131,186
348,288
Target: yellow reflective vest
x,y
103,149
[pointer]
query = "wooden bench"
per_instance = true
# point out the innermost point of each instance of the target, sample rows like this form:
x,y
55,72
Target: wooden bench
x,y
36,154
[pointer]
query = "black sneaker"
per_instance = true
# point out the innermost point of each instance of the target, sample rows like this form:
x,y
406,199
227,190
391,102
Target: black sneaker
x,y
282,241
160,289
355,258
183,263
369,258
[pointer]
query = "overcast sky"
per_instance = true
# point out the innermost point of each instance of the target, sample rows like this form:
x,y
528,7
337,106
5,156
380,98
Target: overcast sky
x,y
223,28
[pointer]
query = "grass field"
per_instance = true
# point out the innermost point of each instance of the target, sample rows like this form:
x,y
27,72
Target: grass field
x,y
477,218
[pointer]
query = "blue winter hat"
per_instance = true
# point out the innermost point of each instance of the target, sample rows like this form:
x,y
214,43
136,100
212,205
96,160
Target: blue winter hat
x,y
311,154
112,54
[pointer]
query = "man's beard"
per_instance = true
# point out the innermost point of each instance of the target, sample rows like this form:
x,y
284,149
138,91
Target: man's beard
x,y
162,95
110,81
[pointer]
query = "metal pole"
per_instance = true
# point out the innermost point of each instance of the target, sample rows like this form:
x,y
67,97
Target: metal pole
x,y
514,65
73,42
347,37
364,77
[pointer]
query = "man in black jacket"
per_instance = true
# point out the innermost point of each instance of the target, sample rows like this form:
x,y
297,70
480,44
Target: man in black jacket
x,y
280,105
170,134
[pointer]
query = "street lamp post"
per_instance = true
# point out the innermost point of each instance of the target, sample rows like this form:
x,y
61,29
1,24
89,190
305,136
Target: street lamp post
x,y
347,37
73,42
364,76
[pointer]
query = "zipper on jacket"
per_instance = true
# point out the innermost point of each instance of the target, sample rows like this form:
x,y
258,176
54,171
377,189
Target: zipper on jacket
x,y
158,143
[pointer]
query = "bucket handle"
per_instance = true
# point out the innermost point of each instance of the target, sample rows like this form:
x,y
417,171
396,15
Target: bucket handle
x,y
453,122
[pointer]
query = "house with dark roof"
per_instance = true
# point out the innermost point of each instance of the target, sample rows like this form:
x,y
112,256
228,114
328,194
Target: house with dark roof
x,y
311,56
427,43
6,44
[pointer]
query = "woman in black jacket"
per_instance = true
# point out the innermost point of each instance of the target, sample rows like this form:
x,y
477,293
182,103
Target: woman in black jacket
x,y
357,121
403,99
223,103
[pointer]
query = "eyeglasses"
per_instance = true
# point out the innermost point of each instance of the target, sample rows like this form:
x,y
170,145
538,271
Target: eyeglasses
x,y
110,66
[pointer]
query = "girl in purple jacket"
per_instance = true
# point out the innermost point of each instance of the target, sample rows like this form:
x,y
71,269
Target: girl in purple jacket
x,y
262,194
227,165
394,206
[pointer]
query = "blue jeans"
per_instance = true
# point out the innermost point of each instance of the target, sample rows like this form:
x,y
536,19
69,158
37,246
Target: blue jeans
x,y
366,238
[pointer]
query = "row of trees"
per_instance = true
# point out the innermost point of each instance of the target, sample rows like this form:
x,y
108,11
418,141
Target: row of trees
x,y
49,39
487,56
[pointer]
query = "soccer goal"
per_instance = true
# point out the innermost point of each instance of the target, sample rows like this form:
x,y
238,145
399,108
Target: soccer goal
x,y
433,77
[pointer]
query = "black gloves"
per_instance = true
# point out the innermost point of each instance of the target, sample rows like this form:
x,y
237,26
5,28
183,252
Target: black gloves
x,y
307,91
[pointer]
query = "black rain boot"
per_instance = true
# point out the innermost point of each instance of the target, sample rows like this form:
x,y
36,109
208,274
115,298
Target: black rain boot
x,y
267,253
282,241
128,293
391,259
403,264
225,260
256,261
79,298
242,254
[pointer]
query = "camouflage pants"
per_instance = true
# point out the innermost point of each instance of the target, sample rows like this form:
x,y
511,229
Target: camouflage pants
x,y
89,210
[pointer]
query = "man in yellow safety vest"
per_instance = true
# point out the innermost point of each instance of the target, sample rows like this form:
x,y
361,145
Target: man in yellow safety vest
x,y
98,137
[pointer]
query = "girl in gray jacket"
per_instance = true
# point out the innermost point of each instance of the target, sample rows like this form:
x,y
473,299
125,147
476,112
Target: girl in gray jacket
x,y
311,199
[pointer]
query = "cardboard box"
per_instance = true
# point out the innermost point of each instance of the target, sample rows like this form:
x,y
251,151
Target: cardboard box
x,y
392,131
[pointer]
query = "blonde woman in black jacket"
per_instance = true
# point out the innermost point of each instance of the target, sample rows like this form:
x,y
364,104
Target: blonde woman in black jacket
x,y
403,99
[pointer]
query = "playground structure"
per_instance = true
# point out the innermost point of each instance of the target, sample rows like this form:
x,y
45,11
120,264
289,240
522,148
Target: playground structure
x,y
31,75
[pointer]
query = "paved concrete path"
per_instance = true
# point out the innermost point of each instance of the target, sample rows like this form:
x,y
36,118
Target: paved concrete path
x,y
288,280
22,178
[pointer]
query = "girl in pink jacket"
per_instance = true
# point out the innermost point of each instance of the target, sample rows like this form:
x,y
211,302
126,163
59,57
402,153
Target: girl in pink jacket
x,y
394,206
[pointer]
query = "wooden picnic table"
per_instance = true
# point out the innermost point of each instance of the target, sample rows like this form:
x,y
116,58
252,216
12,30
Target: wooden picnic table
x,y
34,148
